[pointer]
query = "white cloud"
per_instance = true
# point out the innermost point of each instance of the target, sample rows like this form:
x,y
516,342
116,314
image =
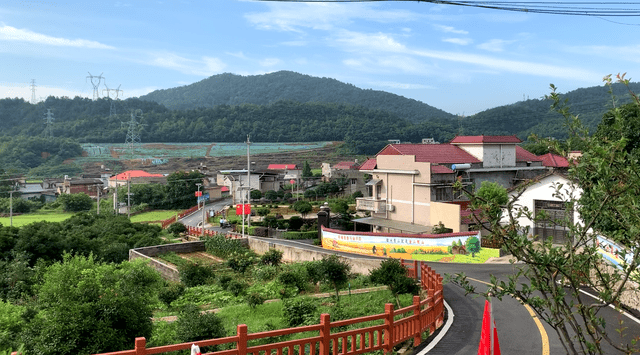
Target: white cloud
x,y
630,53
269,62
206,66
23,90
494,45
450,29
460,41
403,86
356,41
8,33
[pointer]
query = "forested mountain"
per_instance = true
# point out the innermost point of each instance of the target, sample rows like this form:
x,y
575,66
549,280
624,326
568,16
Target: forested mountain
x,y
534,116
231,89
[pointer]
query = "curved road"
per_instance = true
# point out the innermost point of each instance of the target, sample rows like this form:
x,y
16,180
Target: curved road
x,y
519,330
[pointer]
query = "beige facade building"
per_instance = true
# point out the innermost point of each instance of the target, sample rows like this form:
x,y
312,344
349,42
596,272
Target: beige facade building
x,y
411,187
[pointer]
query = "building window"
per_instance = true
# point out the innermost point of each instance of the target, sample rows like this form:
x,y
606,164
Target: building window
x,y
552,225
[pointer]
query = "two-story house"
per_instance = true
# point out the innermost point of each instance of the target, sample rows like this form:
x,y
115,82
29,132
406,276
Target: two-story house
x,y
411,186
348,170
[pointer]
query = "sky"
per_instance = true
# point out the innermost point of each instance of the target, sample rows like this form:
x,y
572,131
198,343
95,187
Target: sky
x,y
462,60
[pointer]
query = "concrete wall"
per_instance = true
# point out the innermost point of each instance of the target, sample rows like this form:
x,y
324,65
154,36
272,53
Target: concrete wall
x,y
167,272
447,213
293,254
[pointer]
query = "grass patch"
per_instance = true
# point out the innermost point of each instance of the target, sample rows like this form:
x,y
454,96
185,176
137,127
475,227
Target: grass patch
x,y
24,219
154,216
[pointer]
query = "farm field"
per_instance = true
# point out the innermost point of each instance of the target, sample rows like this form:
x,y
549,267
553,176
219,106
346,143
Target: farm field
x,y
24,219
153,216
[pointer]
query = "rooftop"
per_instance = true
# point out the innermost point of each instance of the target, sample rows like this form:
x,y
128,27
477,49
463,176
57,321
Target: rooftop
x,y
431,153
485,139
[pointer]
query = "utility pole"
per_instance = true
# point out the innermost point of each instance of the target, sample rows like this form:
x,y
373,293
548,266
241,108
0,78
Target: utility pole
x,y
248,183
10,208
33,91
96,87
115,198
48,131
129,196
201,198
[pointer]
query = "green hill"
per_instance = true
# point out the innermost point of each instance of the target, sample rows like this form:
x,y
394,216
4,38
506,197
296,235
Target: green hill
x,y
231,89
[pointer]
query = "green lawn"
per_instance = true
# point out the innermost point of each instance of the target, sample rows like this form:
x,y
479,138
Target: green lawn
x,y
154,216
25,219
480,257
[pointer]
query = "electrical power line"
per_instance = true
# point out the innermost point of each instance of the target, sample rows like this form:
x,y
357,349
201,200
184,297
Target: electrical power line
x,y
584,8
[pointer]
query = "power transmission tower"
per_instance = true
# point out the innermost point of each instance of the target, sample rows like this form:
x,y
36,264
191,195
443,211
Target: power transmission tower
x,y
33,91
112,109
96,92
48,121
133,129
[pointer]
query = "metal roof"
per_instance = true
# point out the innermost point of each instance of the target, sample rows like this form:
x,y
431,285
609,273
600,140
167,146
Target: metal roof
x,y
397,225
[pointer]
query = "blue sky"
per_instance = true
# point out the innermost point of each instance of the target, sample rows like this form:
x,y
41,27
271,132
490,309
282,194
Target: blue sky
x,y
462,60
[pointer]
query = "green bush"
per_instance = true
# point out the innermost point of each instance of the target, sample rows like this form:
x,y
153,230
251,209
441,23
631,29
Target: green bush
x,y
236,287
255,299
264,272
272,257
224,281
241,262
300,235
222,247
192,274
299,311
292,278
193,326
176,229
295,223
171,292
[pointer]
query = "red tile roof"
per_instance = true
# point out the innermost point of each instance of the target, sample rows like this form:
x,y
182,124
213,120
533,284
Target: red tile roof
x,y
134,174
224,189
524,155
555,161
370,164
485,139
281,166
346,165
431,153
440,169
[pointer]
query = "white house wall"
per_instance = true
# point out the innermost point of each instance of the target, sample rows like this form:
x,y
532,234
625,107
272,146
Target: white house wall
x,y
544,190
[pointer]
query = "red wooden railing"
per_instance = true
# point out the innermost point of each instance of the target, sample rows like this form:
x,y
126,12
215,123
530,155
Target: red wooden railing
x,y
167,222
423,315
197,231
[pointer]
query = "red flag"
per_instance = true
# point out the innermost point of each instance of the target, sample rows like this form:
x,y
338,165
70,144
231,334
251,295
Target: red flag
x,y
243,209
485,337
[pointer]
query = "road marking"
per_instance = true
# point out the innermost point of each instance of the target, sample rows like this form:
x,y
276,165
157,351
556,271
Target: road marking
x,y
543,333
612,306
442,333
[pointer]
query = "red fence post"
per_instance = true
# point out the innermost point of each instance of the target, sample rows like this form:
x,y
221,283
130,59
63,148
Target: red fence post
x,y
141,345
242,339
388,328
417,328
325,334
415,269
432,311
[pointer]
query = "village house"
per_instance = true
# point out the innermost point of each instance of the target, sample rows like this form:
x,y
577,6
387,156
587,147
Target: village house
x,y
411,186
91,187
349,170
136,177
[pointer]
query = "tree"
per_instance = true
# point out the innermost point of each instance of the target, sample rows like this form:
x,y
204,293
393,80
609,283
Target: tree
x,y
80,297
335,271
271,195
255,194
192,325
306,170
76,202
176,229
394,275
181,188
302,207
473,246
556,273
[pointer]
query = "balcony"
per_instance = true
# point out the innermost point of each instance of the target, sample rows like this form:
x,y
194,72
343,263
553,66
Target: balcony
x,y
371,205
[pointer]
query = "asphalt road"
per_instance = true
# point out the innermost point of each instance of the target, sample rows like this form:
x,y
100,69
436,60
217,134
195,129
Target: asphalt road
x,y
518,331
195,219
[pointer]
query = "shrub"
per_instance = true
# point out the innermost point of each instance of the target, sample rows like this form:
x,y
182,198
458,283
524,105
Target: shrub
x,y
224,280
192,274
260,231
300,235
292,278
272,257
171,292
176,229
222,247
299,311
295,223
264,272
255,299
240,262
193,326
393,274
236,287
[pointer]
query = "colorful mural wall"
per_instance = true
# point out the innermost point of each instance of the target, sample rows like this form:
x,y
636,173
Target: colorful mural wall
x,y
613,252
437,247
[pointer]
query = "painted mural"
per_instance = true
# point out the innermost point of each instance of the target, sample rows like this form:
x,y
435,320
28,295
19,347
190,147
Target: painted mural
x,y
448,247
613,252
